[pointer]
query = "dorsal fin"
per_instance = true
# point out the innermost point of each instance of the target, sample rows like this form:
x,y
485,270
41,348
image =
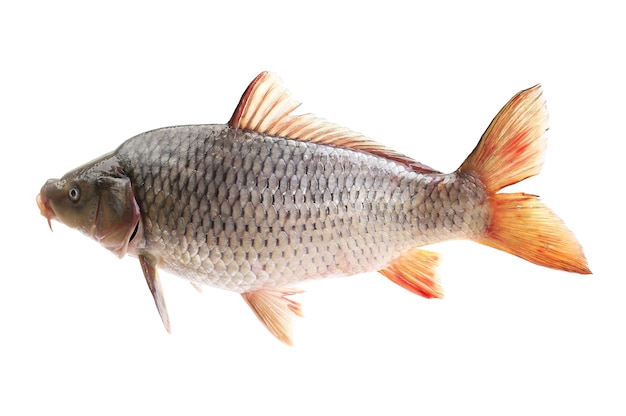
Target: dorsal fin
x,y
266,107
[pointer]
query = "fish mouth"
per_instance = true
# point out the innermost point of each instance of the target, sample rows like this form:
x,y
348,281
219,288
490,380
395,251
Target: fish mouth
x,y
44,208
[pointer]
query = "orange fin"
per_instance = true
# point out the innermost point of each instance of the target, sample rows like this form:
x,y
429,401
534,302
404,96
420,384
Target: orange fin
x,y
510,151
152,278
522,225
266,107
513,145
275,310
415,271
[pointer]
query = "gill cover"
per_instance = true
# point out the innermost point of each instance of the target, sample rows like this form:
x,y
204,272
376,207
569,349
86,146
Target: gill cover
x,y
117,217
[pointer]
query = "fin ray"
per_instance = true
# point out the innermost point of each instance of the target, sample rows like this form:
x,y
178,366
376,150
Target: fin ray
x,y
266,107
512,147
415,271
523,226
154,283
511,150
275,310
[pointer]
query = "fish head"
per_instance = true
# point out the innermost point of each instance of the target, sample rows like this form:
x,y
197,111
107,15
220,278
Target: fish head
x,y
97,201
71,201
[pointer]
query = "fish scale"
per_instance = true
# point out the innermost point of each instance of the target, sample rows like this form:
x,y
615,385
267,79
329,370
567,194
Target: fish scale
x,y
291,200
271,199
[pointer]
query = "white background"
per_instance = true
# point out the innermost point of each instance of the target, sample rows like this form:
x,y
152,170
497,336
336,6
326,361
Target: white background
x,y
79,330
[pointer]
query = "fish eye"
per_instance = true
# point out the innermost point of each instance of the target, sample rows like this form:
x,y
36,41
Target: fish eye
x,y
74,193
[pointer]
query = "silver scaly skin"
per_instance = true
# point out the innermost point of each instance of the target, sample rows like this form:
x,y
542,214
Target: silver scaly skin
x,y
242,211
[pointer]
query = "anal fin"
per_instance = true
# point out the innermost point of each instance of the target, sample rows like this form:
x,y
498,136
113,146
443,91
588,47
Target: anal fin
x,y
414,270
275,310
148,265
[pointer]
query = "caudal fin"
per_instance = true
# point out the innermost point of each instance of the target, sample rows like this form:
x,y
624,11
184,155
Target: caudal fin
x,y
510,151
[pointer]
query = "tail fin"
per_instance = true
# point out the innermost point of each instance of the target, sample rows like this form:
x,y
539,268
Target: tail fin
x,y
510,151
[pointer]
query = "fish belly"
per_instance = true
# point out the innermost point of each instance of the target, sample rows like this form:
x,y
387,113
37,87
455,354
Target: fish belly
x,y
242,211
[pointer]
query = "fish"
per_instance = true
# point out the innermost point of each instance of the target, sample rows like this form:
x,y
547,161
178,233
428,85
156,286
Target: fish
x,y
273,198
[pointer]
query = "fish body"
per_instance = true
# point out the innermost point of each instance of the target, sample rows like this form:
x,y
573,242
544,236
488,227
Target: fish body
x,y
271,199
242,210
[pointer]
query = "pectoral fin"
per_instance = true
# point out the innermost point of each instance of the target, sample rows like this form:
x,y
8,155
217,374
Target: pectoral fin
x,y
148,265
275,310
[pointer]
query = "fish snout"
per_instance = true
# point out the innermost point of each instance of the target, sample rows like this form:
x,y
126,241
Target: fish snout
x,y
43,201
